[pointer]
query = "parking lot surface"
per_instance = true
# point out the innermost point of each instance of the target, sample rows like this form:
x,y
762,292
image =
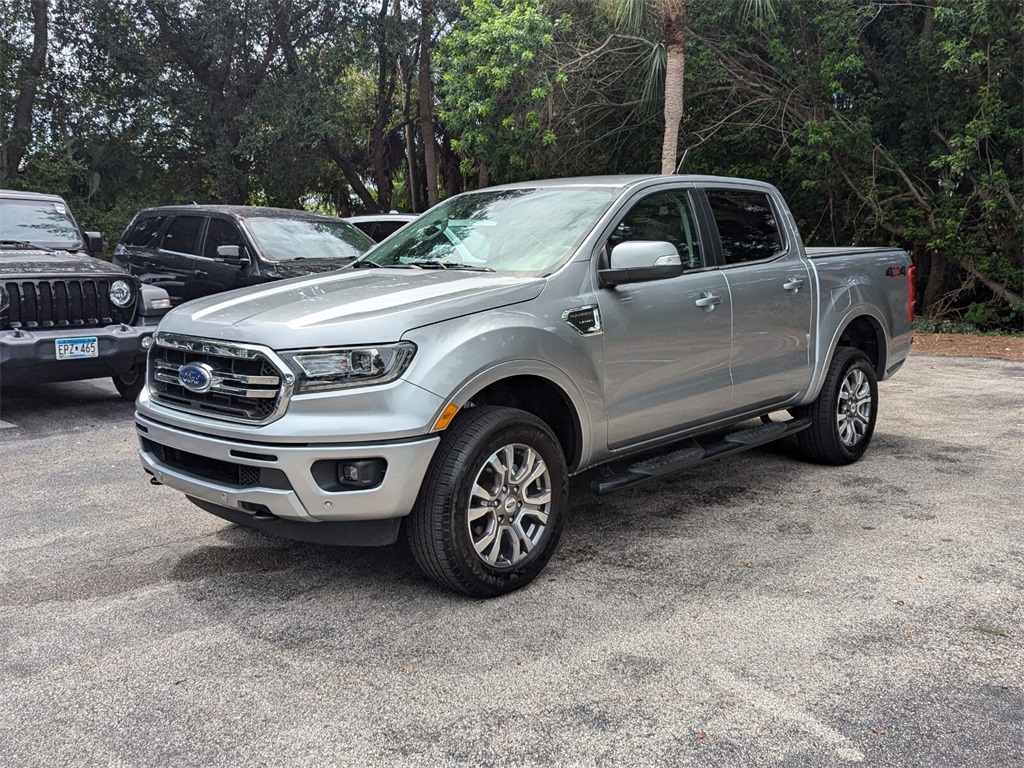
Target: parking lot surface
x,y
759,611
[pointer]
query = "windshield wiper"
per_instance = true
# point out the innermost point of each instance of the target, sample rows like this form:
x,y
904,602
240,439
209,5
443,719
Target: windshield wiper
x,y
362,264
436,264
23,244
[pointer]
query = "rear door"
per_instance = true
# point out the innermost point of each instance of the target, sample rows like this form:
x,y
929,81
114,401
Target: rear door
x,y
178,248
137,251
667,342
770,286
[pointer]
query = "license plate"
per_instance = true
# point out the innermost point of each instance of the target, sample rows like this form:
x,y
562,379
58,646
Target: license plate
x,y
75,349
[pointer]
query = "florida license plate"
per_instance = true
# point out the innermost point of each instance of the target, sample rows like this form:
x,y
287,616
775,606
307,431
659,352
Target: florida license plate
x,y
75,349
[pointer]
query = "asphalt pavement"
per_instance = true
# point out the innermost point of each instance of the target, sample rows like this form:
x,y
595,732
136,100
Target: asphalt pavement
x,y
758,611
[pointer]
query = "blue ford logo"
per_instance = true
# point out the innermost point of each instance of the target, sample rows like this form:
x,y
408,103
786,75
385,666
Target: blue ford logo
x,y
196,377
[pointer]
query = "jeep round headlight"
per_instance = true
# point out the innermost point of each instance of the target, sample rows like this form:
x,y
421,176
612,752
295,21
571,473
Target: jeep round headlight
x,y
120,293
321,369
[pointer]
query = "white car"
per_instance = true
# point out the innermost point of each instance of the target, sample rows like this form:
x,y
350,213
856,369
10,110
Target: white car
x,y
377,226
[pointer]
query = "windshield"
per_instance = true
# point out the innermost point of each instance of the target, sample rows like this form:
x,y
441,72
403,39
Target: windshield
x,y
294,239
47,224
529,231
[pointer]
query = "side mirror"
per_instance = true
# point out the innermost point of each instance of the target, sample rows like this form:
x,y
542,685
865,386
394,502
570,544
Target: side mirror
x,y
640,261
231,254
94,242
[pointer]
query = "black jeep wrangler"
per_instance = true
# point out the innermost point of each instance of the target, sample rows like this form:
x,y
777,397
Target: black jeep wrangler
x,y
64,314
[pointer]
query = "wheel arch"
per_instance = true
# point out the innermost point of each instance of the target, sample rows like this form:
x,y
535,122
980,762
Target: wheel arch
x,y
535,393
860,329
864,332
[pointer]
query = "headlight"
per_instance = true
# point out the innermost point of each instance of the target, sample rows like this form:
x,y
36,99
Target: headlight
x,y
120,293
321,369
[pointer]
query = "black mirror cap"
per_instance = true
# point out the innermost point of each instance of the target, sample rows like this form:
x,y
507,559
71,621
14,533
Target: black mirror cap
x,y
94,243
613,277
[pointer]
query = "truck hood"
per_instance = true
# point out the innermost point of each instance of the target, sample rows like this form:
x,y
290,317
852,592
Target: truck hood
x,y
39,261
365,306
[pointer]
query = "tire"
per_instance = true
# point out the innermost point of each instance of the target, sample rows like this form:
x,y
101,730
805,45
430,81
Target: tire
x,y
474,528
129,384
843,416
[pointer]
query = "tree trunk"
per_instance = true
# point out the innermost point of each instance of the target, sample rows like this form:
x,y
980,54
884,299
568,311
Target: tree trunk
x,y
333,151
674,27
29,76
426,89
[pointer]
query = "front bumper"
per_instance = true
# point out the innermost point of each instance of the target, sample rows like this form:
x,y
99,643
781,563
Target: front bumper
x,y
274,480
29,357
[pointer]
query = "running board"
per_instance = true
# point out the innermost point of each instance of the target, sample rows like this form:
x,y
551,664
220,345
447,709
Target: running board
x,y
698,453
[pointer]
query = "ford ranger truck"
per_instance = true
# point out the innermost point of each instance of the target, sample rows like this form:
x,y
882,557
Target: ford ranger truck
x,y
457,375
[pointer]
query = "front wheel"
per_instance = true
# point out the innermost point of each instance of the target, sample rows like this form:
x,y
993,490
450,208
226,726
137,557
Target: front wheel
x,y
129,384
492,506
843,415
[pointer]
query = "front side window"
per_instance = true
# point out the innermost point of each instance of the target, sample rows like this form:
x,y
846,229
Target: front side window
x,y
524,231
183,235
747,225
221,232
293,239
47,224
666,217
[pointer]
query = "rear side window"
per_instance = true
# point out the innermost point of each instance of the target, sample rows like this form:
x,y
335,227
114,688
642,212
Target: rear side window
x,y
220,233
183,235
747,225
144,231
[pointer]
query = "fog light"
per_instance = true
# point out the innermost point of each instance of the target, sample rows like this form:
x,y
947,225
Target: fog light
x,y
361,473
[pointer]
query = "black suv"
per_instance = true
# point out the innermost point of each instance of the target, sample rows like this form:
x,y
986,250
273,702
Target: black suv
x,y
65,315
196,250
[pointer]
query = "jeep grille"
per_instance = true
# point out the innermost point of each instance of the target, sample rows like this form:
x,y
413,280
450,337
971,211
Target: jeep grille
x,y
68,303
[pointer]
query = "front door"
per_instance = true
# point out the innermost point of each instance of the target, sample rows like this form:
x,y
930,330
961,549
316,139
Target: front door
x,y
667,342
210,273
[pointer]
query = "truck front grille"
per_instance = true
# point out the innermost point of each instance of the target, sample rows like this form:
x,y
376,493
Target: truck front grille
x,y
248,384
68,303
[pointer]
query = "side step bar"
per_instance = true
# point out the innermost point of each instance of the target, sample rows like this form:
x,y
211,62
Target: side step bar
x,y
697,453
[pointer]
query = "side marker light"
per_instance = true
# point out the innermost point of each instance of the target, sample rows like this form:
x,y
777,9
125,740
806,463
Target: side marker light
x,y
446,417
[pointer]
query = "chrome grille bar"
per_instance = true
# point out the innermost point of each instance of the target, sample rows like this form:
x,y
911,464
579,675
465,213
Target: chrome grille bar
x,y
251,384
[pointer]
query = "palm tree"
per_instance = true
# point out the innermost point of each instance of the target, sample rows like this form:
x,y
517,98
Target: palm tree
x,y
668,55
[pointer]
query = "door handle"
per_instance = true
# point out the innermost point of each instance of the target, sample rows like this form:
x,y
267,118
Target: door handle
x,y
148,264
708,301
793,284
200,273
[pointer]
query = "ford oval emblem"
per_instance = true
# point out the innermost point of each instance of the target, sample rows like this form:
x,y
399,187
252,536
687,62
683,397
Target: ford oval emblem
x,y
196,377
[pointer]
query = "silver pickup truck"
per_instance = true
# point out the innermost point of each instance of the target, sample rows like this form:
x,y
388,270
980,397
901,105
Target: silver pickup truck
x,y
459,373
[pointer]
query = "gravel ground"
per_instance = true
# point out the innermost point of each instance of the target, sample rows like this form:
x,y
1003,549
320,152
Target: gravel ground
x,y
759,611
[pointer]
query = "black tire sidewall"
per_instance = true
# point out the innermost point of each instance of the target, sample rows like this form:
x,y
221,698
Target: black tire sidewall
x,y
831,448
469,446
129,384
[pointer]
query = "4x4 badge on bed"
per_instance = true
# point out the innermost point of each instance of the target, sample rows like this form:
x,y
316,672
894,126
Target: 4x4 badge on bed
x,y
196,377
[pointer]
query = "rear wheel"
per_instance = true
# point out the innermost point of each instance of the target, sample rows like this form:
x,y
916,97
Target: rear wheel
x,y
843,415
491,509
129,384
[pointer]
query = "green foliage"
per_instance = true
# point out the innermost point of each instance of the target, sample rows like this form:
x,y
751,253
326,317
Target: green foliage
x,y
495,83
883,123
